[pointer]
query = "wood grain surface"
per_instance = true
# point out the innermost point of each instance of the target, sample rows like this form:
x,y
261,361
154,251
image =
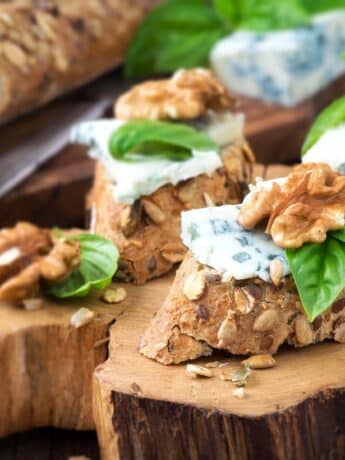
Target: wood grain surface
x,y
46,364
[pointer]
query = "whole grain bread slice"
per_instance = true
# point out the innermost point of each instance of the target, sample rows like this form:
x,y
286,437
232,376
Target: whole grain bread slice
x,y
148,232
202,313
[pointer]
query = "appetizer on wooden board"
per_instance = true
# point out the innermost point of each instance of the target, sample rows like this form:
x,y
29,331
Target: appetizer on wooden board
x,y
38,62
265,272
174,145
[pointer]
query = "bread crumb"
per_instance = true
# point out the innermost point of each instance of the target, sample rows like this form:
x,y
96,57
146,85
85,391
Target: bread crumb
x,y
32,304
238,392
194,371
114,295
81,317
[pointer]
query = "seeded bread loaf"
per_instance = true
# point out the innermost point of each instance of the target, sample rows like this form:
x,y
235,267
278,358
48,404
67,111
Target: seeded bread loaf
x,y
148,232
242,317
50,46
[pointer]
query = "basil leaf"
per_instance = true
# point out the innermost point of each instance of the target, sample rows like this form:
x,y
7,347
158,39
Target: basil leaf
x,y
266,15
157,138
175,34
229,10
98,265
330,117
319,273
318,6
338,235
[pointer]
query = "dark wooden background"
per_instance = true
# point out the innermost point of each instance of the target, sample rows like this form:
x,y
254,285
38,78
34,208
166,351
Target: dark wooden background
x,y
49,444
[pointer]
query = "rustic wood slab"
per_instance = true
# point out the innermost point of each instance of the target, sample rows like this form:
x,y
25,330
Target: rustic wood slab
x,y
55,194
144,410
46,364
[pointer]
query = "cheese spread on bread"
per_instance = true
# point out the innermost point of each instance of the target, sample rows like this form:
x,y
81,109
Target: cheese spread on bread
x,y
216,239
133,179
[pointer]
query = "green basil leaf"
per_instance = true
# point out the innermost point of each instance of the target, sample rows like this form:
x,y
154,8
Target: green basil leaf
x,y
229,9
319,273
319,6
266,15
98,265
157,138
175,34
338,235
331,117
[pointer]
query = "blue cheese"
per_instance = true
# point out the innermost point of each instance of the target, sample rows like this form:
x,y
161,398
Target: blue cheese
x,y
285,66
330,149
216,239
130,180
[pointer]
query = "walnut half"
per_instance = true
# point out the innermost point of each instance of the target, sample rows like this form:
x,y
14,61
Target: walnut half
x,y
300,209
188,94
30,255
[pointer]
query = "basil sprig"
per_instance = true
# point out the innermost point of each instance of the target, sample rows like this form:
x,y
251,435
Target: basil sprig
x,y
158,139
267,15
320,6
98,264
176,34
319,272
331,117
181,33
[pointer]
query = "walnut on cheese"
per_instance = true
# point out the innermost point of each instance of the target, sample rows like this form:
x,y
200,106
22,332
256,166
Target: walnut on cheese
x,y
187,95
39,256
301,209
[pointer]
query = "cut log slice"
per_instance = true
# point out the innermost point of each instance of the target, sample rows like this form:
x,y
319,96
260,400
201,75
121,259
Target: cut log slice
x,y
145,410
46,364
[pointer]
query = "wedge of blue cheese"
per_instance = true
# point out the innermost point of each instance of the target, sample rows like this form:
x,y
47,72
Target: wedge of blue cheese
x,y
217,240
329,148
283,67
133,179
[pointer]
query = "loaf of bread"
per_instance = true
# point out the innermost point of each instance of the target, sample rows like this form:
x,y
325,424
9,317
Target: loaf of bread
x,y
49,47
246,317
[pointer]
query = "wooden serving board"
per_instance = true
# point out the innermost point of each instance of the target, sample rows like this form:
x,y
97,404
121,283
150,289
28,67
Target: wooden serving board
x,y
146,411
46,364
55,194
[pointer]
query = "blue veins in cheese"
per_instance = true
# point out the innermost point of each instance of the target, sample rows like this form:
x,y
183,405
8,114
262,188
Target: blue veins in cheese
x,y
216,239
329,148
130,180
286,66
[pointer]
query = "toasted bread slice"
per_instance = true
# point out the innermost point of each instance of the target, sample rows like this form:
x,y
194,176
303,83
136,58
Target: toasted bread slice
x,y
202,313
148,232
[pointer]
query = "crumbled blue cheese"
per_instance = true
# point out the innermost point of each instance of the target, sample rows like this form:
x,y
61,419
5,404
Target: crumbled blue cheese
x,y
329,148
136,178
284,66
216,239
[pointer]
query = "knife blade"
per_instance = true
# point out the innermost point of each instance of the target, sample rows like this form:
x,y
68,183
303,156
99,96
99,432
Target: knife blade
x,y
17,163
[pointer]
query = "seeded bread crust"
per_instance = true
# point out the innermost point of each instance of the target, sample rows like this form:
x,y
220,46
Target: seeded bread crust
x,y
242,317
148,233
51,46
